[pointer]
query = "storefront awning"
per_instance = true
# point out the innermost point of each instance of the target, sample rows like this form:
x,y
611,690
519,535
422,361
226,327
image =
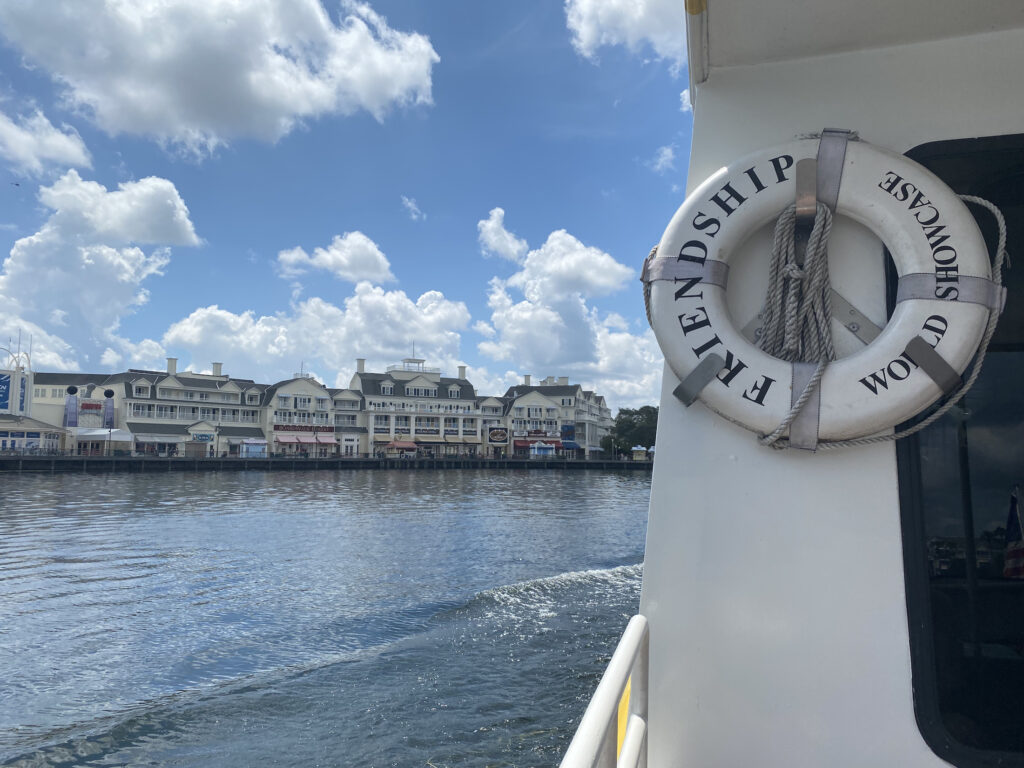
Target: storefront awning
x,y
325,439
452,439
429,439
470,439
306,438
382,438
254,441
570,445
520,443
286,439
402,445
113,435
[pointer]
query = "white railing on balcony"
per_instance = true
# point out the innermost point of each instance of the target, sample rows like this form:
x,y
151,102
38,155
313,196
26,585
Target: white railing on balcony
x,y
596,743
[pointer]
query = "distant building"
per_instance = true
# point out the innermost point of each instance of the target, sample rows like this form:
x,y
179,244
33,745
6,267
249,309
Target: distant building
x,y
414,408
555,410
408,409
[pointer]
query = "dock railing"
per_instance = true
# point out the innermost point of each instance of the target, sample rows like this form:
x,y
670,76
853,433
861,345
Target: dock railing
x,y
597,740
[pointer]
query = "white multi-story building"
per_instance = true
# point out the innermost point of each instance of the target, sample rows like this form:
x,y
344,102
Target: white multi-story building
x,y
556,417
412,408
407,409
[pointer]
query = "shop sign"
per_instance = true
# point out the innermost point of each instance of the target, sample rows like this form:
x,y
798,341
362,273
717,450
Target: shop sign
x,y
305,428
497,436
203,437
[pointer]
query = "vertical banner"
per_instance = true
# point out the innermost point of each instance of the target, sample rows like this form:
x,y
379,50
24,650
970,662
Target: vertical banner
x,y
21,395
108,413
71,411
5,391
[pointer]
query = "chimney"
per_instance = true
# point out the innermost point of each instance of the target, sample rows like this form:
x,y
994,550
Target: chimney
x,y
526,379
217,368
563,380
462,371
360,365
172,366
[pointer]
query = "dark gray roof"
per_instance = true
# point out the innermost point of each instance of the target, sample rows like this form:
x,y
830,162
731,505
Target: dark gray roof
x,y
551,390
198,383
241,432
140,428
372,383
42,378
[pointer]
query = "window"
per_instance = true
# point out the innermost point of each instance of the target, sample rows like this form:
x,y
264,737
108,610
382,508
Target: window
x,y
204,395
387,389
141,391
961,514
39,392
303,403
345,420
55,393
252,399
455,393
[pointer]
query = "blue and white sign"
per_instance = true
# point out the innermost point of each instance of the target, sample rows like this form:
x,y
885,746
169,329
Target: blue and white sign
x,y
21,395
5,391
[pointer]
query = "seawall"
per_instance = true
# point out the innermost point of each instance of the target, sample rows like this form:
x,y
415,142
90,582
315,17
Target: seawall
x,y
138,464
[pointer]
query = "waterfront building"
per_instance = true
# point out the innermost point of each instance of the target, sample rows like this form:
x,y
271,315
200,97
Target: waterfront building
x,y
27,435
413,408
409,409
559,414
302,417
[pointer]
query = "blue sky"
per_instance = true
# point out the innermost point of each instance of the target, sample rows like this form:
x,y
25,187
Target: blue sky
x,y
285,183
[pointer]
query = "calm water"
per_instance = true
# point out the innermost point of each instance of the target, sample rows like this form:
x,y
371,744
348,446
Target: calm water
x,y
364,618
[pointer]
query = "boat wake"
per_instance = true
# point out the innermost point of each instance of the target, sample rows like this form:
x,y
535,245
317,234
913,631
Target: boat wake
x,y
459,674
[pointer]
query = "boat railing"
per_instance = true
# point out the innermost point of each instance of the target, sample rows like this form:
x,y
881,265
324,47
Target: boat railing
x,y
600,740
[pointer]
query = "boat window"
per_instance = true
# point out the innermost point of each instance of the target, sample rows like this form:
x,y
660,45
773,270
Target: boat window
x,y
962,494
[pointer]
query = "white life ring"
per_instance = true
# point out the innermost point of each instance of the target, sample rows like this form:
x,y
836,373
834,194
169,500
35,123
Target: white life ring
x,y
924,225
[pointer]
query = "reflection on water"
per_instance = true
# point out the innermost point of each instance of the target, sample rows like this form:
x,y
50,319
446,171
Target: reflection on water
x,y
348,618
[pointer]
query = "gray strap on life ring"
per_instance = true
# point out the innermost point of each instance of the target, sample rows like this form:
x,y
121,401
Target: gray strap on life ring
x,y
931,362
689,388
831,156
803,432
973,290
828,175
710,272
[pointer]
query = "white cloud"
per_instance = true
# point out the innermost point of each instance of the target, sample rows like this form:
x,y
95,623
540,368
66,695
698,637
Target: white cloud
x,y
353,257
495,240
375,324
664,159
685,105
31,143
553,330
198,72
661,24
484,329
83,271
414,211
564,266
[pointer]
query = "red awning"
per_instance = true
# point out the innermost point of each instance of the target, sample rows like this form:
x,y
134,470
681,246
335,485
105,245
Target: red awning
x,y
306,438
286,438
520,443
325,439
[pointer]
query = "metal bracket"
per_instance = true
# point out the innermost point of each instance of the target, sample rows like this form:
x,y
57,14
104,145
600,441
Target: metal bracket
x,y
931,362
693,384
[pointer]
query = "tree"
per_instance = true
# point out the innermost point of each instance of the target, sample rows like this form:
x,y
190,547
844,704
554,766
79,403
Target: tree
x,y
634,426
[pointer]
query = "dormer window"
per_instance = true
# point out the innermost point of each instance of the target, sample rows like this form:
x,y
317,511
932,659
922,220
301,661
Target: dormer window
x,y
141,390
455,392
387,389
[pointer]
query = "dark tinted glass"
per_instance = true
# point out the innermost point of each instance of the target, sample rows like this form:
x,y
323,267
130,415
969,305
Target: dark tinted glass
x,y
957,483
